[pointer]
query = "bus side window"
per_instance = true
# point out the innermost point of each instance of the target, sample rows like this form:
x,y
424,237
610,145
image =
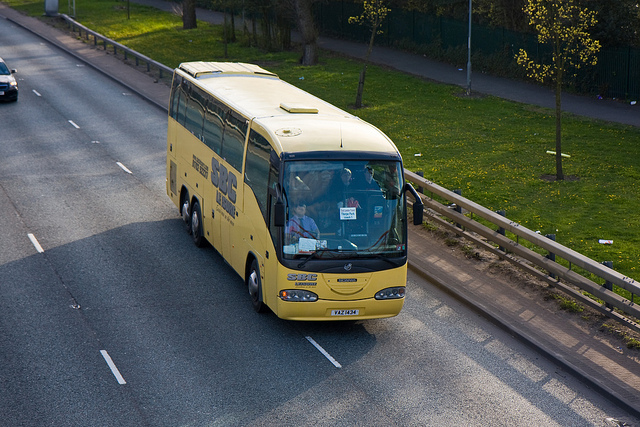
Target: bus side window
x,y
235,132
213,126
257,168
195,112
175,95
182,101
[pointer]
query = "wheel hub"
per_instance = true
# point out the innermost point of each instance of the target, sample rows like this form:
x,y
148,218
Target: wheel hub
x,y
253,284
185,211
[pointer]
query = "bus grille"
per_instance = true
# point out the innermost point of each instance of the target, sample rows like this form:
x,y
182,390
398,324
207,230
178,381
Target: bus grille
x,y
348,285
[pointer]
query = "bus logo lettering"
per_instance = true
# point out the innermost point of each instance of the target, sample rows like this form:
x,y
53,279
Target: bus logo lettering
x,y
215,165
302,277
232,185
228,207
222,180
227,183
199,165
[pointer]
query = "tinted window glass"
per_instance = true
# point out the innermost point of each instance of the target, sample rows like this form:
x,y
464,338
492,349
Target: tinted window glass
x,y
213,126
182,101
233,140
195,111
354,207
257,168
175,95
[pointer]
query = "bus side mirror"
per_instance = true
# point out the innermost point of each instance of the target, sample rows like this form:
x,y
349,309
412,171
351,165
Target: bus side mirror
x,y
278,207
418,212
418,206
278,214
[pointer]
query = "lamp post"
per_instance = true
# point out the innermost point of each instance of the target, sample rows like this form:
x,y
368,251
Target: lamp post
x,y
469,54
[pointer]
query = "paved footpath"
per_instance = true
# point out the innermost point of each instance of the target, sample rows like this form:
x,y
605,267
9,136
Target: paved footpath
x,y
614,371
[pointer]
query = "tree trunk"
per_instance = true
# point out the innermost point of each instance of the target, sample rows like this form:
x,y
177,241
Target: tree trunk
x,y
361,87
364,69
254,26
307,29
232,27
189,14
559,174
225,37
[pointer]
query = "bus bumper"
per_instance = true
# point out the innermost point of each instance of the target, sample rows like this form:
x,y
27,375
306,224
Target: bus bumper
x,y
323,310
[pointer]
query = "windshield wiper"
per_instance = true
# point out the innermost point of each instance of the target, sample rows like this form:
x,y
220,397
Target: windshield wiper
x,y
367,253
315,253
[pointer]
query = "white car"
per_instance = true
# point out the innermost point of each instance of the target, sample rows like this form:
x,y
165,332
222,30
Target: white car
x,y
8,83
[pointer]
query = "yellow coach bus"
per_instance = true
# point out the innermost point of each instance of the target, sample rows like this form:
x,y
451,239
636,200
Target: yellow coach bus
x,y
304,200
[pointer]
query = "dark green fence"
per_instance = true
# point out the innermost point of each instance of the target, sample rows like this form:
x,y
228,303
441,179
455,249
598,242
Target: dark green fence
x,y
617,74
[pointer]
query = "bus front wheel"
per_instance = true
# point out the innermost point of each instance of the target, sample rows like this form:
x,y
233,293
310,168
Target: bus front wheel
x,y
196,225
254,285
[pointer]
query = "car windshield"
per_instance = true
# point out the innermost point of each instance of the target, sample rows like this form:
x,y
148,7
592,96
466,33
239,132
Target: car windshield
x,y
4,71
339,209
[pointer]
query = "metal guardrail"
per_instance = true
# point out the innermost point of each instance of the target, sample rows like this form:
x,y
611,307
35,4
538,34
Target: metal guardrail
x,y
150,63
555,271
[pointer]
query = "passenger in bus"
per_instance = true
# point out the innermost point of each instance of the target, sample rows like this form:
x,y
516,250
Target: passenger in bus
x,y
365,181
301,225
297,184
346,177
347,199
364,187
391,183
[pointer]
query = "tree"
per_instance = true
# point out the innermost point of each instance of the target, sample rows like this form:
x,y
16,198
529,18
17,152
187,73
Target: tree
x,y
373,14
189,14
308,30
564,26
618,22
501,13
274,19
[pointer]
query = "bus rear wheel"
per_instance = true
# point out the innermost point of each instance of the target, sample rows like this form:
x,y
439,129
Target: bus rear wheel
x,y
196,225
254,285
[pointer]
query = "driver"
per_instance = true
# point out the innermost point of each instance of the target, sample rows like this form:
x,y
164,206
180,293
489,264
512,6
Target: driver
x,y
301,225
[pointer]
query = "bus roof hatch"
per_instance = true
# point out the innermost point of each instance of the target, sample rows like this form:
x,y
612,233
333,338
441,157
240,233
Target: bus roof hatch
x,y
298,108
202,69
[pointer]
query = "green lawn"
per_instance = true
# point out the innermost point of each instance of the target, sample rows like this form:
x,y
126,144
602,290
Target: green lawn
x,y
491,149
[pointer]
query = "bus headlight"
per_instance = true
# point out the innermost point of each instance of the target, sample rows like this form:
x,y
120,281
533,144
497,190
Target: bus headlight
x,y
297,295
391,293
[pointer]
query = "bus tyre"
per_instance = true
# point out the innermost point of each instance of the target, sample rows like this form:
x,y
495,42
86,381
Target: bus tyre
x,y
184,211
196,225
254,285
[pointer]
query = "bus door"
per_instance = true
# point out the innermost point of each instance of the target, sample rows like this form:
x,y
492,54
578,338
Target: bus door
x,y
271,263
273,236
262,167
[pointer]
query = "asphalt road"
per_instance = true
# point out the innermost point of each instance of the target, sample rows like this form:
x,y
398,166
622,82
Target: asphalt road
x,y
109,315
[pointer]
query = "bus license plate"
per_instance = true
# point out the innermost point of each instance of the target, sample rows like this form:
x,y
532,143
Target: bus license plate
x,y
345,312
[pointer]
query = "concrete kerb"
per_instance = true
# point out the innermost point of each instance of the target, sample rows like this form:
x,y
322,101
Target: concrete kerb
x,y
537,342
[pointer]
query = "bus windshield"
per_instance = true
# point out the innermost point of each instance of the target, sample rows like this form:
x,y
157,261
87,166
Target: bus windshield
x,y
338,209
